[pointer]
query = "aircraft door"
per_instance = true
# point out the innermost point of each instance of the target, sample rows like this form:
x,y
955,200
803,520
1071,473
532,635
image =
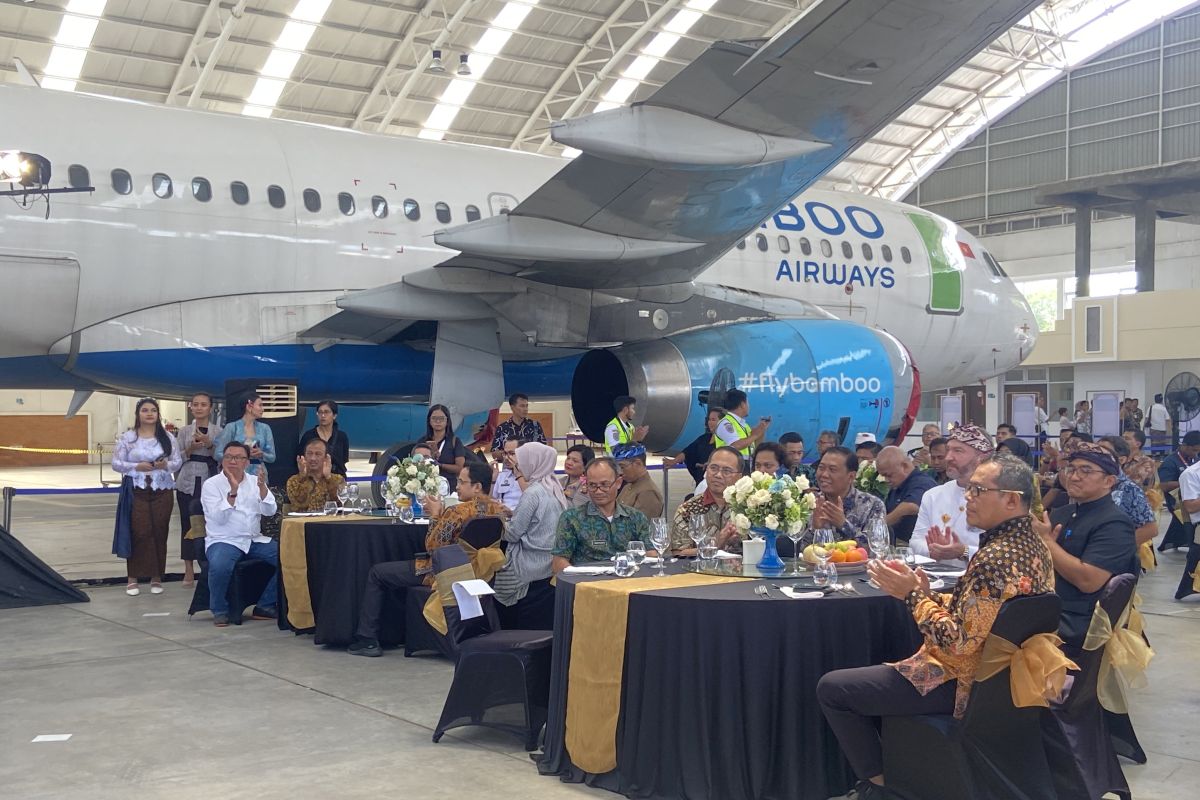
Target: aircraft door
x,y
38,295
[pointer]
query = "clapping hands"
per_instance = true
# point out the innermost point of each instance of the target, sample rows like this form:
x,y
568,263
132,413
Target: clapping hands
x,y
944,544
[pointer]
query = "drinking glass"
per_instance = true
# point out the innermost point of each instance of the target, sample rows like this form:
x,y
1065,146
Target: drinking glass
x,y
796,537
822,545
660,537
907,555
352,488
406,513
696,531
624,566
330,508
364,505
636,552
343,494
706,550
880,539
827,573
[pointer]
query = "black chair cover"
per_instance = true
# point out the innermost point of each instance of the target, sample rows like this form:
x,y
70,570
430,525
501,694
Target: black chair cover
x,y
1078,745
501,678
995,751
250,577
26,580
1124,738
481,532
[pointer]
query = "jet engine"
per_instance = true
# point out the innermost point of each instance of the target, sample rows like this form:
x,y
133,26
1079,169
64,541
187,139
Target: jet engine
x,y
807,375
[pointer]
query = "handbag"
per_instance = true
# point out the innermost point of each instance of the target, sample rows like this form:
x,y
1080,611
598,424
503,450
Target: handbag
x,y
122,546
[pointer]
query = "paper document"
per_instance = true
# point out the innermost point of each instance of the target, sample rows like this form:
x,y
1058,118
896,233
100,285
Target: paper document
x,y
467,593
589,570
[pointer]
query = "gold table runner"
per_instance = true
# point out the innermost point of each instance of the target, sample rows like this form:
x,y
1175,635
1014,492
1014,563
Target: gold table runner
x,y
293,566
596,672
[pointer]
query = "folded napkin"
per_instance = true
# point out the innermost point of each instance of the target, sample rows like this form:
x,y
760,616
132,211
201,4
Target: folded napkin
x,y
306,513
792,593
589,570
723,554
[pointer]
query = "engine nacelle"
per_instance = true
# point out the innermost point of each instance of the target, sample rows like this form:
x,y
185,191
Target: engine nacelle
x,y
807,375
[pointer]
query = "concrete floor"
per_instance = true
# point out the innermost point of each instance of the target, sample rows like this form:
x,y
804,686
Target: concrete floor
x,y
160,706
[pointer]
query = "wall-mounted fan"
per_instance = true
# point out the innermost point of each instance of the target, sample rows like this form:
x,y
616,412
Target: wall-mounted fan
x,y
1183,396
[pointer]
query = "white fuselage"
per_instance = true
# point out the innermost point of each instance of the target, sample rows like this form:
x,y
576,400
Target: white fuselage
x,y
114,272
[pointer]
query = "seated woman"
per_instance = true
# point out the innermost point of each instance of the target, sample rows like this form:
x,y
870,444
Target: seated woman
x,y
523,591
575,484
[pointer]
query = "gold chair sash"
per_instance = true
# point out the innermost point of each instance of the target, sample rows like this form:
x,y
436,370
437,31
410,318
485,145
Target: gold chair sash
x,y
484,564
1126,654
1146,556
1037,669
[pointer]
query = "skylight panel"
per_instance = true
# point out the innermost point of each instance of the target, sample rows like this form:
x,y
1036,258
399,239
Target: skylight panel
x,y
74,37
282,60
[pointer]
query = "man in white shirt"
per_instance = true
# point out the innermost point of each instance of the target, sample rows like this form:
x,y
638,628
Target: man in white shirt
x,y
233,506
942,531
507,482
1158,421
1189,493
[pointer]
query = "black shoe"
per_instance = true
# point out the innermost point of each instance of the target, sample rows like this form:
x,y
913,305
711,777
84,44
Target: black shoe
x,y
264,613
365,647
865,790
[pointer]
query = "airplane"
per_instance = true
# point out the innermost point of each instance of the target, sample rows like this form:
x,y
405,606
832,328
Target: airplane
x,y
378,269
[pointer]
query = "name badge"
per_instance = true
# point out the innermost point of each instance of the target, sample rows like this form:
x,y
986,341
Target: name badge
x,y
600,543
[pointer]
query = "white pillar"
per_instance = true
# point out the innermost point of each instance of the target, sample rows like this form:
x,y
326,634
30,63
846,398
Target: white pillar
x,y
993,404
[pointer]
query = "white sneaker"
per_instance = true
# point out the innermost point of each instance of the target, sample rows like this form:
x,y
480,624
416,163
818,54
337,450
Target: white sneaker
x,y
155,589
132,590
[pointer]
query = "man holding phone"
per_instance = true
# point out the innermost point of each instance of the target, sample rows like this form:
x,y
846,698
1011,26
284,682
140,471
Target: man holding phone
x,y
734,431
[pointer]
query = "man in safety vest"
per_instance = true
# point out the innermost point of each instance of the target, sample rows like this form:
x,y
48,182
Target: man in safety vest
x,y
733,430
620,429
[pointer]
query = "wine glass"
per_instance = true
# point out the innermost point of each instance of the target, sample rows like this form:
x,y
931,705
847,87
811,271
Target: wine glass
x,y
660,537
822,545
879,539
696,531
796,537
706,549
907,555
330,508
352,488
364,506
343,494
636,552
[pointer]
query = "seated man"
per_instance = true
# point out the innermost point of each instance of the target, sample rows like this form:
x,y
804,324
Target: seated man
x,y
1128,496
601,528
233,507
445,526
942,531
315,484
867,451
908,485
1012,560
769,458
723,470
849,512
1091,539
637,487
793,448
937,460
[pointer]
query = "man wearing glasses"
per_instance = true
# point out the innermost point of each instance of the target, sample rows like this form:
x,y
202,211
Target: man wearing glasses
x,y
1090,539
723,470
601,528
1012,561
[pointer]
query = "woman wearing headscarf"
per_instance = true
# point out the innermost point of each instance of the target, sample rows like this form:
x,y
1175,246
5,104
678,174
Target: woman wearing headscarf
x,y
523,589
1018,447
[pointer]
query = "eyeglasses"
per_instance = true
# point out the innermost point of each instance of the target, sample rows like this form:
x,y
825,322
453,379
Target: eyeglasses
x,y
236,458
717,469
602,486
977,491
1082,472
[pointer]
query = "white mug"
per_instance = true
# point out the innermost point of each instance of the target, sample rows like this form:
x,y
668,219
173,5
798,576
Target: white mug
x,y
752,551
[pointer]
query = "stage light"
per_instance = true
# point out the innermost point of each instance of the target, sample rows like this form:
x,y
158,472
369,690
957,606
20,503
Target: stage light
x,y
27,169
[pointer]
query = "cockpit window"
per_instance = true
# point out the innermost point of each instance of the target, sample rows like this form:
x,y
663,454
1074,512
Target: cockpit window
x,y
994,265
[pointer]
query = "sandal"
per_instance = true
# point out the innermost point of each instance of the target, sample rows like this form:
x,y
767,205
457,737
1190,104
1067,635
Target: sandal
x,y
132,589
156,588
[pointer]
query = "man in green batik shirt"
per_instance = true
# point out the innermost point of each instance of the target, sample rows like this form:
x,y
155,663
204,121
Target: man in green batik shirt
x,y
601,528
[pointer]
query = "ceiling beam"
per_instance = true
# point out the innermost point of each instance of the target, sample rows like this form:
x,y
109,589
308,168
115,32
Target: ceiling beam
x,y
191,62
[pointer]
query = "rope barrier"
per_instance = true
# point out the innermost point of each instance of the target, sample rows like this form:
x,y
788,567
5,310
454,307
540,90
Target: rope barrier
x,y
58,451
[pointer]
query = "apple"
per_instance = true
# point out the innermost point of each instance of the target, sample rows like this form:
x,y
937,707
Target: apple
x,y
863,555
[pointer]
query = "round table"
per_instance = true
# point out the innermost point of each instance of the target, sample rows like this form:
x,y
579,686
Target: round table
x,y
719,694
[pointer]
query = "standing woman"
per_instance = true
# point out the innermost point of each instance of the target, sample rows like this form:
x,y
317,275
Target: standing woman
x,y
575,467
149,456
448,449
196,441
337,443
252,432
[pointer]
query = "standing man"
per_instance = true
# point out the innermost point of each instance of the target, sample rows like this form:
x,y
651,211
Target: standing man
x,y
1090,540
825,440
233,508
1169,471
1158,421
637,487
908,487
937,460
793,450
942,531
733,430
602,528
1134,418
920,455
620,429
518,426
842,507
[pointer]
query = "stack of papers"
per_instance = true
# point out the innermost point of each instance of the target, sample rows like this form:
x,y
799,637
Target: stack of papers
x,y
595,570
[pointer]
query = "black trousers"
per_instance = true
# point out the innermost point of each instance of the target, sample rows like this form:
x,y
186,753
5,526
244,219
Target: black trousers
x,y
382,578
854,699
1186,580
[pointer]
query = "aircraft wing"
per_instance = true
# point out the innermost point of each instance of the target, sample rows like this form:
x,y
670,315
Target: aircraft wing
x,y
665,187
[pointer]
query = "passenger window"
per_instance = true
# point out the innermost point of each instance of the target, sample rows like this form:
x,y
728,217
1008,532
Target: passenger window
x,y
905,256
741,245
847,250
887,253
201,189
379,207
312,200
473,214
826,248
412,209
77,176
867,252
761,241
239,192
784,245
121,182
442,212
805,246
162,185
346,203
276,196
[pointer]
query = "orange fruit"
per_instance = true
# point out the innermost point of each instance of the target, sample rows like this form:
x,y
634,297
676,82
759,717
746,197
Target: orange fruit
x,y
837,557
863,555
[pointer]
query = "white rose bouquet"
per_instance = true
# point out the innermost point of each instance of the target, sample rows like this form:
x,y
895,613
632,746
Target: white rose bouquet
x,y
870,481
410,476
761,500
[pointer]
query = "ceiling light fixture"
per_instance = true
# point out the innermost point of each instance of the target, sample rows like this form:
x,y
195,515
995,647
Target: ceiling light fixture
x,y
436,66
463,68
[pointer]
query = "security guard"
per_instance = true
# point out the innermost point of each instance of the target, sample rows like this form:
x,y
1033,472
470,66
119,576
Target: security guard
x,y
620,429
733,430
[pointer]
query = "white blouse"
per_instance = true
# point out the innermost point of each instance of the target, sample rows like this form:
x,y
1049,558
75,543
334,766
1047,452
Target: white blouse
x,y
132,449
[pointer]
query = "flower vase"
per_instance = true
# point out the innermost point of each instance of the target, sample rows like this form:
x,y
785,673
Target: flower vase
x,y
416,505
770,559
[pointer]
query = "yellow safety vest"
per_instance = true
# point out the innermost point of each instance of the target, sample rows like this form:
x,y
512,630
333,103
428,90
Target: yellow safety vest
x,y
743,430
624,434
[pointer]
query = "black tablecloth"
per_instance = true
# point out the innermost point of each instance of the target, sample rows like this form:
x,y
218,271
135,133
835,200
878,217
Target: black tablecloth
x,y
719,695
340,554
